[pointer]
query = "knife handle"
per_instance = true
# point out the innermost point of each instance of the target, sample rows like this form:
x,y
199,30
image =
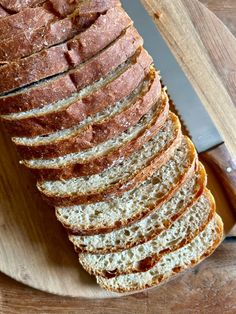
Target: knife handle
x,y
224,165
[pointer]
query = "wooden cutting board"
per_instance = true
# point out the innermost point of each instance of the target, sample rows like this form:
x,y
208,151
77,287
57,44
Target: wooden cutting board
x,y
33,246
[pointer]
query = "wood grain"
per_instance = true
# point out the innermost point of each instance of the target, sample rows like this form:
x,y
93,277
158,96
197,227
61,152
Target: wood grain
x,y
224,10
188,27
224,166
210,287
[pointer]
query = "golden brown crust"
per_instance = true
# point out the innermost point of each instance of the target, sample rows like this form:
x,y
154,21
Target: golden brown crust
x,y
82,107
115,91
3,12
14,6
100,132
64,56
30,18
123,185
29,42
149,262
139,216
158,280
74,80
64,8
200,186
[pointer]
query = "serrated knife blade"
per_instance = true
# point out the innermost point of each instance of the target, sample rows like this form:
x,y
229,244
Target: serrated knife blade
x,y
198,122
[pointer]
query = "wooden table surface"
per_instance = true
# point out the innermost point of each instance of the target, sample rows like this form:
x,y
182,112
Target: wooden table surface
x,y
217,289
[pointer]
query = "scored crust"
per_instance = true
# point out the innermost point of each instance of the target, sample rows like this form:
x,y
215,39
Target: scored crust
x,y
58,30
67,55
96,133
15,6
28,42
125,184
77,109
30,18
94,69
64,8
113,92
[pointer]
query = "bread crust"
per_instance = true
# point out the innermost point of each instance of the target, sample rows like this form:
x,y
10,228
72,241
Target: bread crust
x,y
15,6
149,262
111,93
74,80
31,40
99,99
64,8
61,7
30,18
28,42
67,55
97,133
159,280
123,185
3,12
201,184
97,164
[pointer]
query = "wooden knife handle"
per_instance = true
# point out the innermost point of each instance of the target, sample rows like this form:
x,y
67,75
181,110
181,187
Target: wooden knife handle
x,y
224,166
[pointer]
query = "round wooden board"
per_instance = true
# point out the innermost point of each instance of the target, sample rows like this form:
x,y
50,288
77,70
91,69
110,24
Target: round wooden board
x,y
33,246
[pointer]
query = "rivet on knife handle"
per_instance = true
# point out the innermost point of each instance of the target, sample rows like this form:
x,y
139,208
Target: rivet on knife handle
x,y
224,165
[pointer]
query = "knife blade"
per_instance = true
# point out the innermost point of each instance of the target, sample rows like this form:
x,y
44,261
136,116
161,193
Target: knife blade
x,y
198,122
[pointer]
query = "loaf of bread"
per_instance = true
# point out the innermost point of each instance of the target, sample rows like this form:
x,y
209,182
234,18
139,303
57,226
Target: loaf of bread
x,y
85,107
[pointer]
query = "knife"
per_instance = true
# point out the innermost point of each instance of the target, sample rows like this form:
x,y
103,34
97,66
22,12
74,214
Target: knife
x,y
201,128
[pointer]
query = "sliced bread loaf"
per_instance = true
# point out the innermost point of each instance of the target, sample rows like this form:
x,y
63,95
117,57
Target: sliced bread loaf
x,y
100,128
57,31
170,264
123,176
50,91
30,41
147,228
15,6
105,154
145,256
135,204
64,56
88,101
30,18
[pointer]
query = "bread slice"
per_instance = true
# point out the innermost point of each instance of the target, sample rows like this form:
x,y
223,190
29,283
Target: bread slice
x,y
88,101
3,12
65,7
95,159
57,31
147,228
144,256
67,55
15,6
135,204
30,41
123,176
102,127
30,18
61,7
170,264
50,91
67,141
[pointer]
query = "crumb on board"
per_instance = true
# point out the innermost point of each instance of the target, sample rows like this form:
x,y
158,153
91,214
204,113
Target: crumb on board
x,y
157,14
